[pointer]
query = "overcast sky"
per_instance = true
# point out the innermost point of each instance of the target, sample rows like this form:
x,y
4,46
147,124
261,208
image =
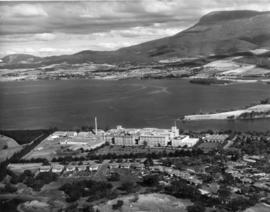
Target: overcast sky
x,y
64,27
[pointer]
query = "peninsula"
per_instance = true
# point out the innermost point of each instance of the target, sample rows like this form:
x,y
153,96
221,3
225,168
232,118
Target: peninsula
x,y
254,112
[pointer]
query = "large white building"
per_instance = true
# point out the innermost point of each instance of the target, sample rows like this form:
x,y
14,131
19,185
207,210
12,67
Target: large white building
x,y
184,141
125,140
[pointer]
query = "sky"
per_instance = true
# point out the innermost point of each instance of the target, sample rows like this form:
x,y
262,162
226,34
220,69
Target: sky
x,y
45,28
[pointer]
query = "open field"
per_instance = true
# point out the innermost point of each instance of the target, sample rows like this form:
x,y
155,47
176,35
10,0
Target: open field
x,y
62,144
258,208
152,202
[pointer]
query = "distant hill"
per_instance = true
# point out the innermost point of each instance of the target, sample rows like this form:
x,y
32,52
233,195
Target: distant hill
x,y
21,59
217,33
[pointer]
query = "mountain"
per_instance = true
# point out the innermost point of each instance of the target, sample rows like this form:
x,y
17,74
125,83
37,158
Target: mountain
x,y
217,33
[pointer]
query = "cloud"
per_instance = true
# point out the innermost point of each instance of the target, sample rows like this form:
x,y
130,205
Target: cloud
x,y
45,36
48,27
23,10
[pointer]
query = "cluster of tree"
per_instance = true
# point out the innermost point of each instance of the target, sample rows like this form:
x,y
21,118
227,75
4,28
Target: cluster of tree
x,y
240,204
9,204
150,181
94,190
44,161
28,178
265,101
8,188
127,187
112,156
180,189
196,207
253,114
253,146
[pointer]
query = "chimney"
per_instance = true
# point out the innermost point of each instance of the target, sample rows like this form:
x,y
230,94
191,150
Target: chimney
x,y
96,125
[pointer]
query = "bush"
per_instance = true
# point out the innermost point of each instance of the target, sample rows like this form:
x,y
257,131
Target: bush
x,y
118,205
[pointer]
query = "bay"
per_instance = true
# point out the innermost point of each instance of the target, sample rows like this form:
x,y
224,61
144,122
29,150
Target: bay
x,y
70,104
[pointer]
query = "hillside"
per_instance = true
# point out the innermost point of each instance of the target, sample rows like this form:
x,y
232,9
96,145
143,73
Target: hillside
x,y
216,33
8,147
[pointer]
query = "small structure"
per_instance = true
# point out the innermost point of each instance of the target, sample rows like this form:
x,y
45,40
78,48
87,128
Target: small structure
x,y
45,169
70,168
138,166
114,165
82,168
125,165
94,167
57,168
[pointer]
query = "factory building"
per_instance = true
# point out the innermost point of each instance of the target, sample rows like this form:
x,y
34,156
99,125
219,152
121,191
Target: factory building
x,y
153,137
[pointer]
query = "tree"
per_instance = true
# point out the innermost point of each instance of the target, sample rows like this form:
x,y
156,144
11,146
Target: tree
x,y
118,205
150,180
127,187
196,208
148,162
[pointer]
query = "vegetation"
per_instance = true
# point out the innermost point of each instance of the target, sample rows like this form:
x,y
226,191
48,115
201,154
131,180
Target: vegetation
x,y
117,205
94,190
196,208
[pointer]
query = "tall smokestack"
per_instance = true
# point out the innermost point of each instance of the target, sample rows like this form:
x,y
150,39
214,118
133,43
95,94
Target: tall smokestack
x,y
96,125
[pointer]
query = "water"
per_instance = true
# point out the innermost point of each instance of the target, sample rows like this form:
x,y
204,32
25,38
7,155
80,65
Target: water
x,y
131,103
